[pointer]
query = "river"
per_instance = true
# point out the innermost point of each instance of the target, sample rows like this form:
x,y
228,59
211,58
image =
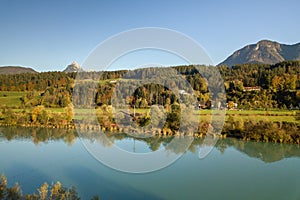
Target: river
x,y
234,169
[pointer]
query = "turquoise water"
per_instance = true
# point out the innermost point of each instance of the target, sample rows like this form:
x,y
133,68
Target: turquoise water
x,y
233,170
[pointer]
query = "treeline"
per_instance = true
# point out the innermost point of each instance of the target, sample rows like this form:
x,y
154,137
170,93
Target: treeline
x,y
250,86
44,80
38,116
281,76
262,131
36,81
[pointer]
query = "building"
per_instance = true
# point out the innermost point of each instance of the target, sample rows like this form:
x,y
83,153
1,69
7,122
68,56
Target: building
x,y
254,88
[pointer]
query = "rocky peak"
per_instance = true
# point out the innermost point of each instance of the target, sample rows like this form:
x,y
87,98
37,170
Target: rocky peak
x,y
73,67
264,51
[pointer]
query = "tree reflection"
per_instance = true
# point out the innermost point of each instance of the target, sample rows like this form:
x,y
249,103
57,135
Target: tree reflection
x,y
38,135
266,152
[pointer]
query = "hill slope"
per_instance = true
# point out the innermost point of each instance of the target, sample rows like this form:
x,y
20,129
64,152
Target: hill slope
x,y
16,70
265,51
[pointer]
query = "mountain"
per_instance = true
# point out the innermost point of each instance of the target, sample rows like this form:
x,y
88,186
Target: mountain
x,y
265,51
74,67
16,70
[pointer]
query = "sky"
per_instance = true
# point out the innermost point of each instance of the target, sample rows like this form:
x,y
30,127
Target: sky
x,y
49,35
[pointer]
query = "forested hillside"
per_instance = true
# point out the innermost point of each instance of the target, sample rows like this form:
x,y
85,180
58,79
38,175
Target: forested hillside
x,y
250,86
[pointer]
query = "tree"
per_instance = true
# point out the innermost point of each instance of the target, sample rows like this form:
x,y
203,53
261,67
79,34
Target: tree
x,y
143,103
3,186
144,121
174,117
230,105
157,116
39,115
72,194
69,110
105,115
14,193
43,191
297,116
55,190
10,117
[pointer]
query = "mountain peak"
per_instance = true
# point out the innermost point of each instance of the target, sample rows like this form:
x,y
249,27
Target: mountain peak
x,y
264,51
265,41
73,67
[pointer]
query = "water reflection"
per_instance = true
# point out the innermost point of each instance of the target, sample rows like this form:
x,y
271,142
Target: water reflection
x,y
38,135
266,152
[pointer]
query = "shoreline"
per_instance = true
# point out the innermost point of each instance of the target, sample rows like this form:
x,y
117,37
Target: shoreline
x,y
262,131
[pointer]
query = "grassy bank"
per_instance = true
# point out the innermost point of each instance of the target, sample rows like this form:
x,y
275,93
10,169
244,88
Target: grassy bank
x,y
267,126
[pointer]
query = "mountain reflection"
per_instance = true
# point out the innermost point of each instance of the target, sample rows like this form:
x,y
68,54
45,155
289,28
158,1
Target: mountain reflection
x,y
266,152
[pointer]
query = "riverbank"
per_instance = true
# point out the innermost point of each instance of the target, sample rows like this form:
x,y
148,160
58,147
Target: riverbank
x,y
261,131
279,126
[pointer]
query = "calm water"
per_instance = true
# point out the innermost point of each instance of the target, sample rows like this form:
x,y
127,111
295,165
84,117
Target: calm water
x,y
233,170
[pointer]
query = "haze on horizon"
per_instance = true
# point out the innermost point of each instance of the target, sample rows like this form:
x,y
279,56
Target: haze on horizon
x,y
49,35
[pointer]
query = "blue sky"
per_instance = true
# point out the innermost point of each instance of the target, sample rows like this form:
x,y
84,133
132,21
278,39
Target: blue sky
x,y
48,35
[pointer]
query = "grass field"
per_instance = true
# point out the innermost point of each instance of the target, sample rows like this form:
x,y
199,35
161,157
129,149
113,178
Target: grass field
x,y
253,115
11,99
205,115
252,112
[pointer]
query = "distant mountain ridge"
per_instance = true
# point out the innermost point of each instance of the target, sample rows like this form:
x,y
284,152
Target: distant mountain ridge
x,y
265,51
16,70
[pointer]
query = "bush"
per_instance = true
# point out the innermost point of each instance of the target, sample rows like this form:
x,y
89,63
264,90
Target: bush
x,y
55,192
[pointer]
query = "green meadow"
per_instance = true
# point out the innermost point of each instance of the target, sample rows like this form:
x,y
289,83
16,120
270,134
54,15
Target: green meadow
x,y
13,100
